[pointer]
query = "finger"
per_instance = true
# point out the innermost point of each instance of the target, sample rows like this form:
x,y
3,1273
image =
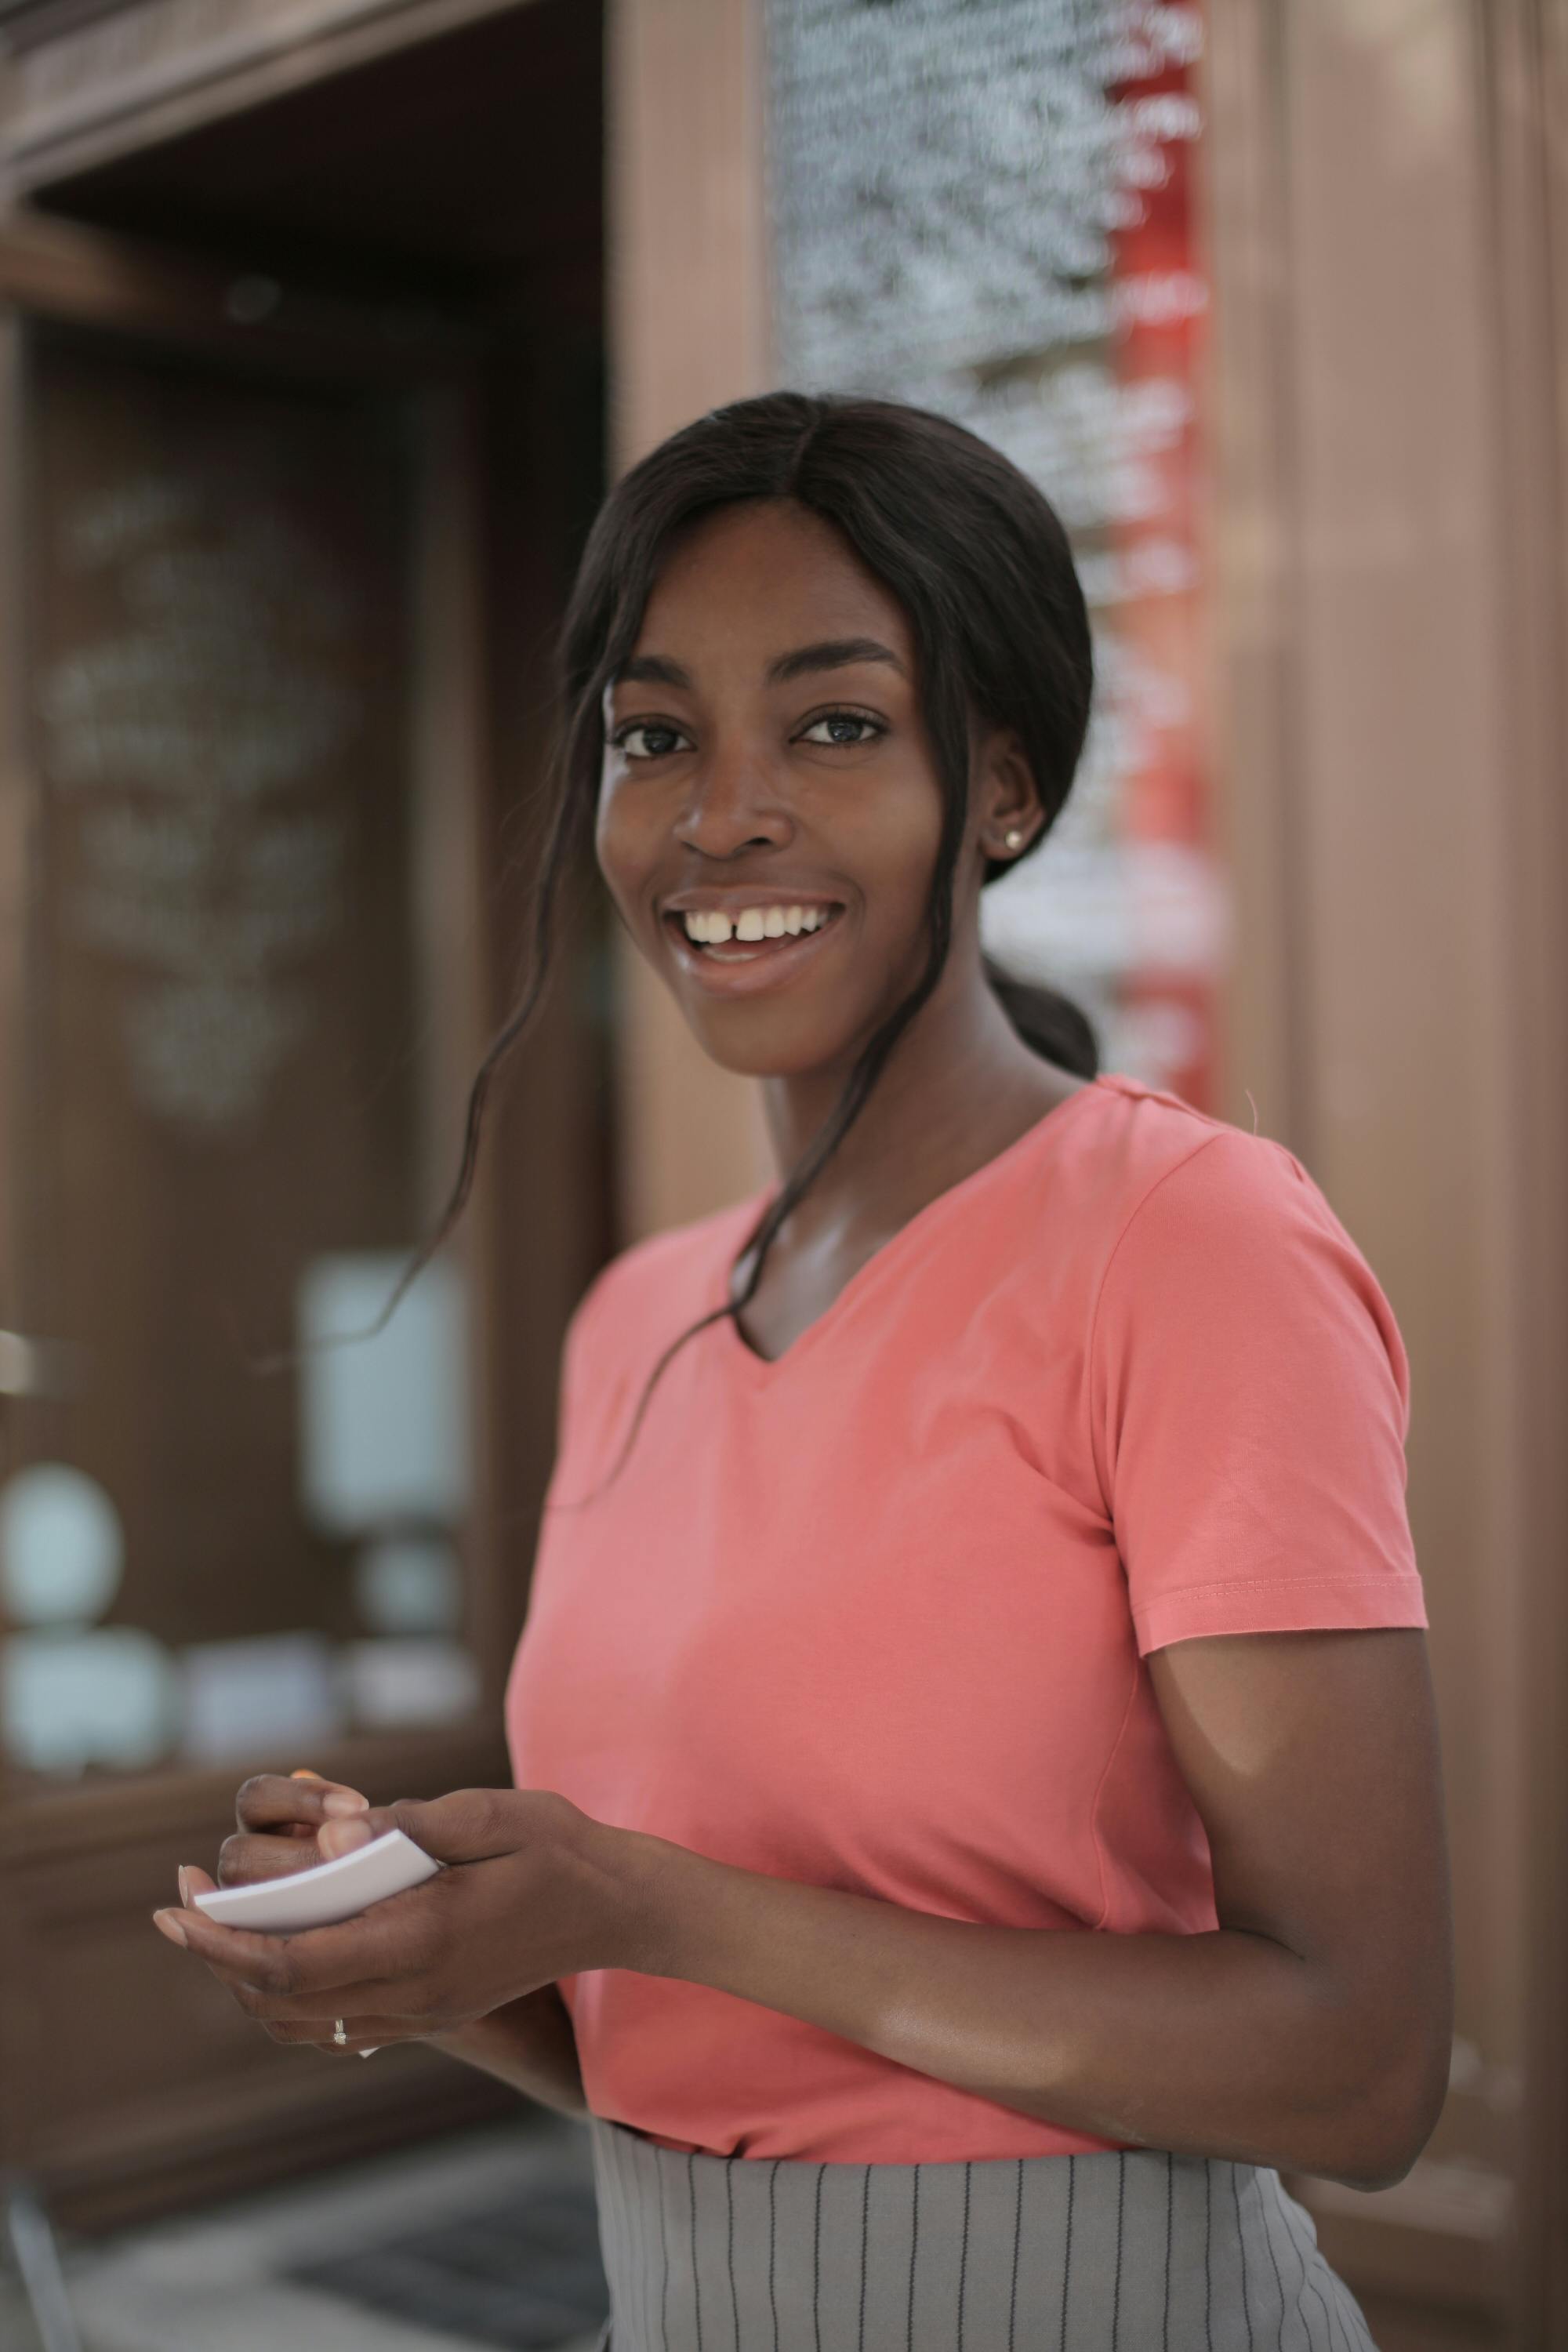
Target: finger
x,y
273,1800
397,1937
268,2006
331,1788
305,1772
367,2033
194,1881
469,1825
405,2005
244,1860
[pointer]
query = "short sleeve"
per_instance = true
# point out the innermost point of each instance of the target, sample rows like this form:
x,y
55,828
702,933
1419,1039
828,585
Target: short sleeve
x,y
1250,1399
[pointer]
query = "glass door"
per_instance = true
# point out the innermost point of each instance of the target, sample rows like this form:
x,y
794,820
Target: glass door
x,y
223,1537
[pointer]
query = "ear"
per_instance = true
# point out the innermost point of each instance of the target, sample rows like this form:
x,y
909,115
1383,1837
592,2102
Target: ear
x,y
1006,796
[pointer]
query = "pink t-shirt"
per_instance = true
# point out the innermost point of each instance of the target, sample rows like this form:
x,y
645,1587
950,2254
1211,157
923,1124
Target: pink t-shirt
x,y
876,1615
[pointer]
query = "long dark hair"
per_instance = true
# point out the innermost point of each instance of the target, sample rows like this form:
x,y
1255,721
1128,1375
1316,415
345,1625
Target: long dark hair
x,y
979,560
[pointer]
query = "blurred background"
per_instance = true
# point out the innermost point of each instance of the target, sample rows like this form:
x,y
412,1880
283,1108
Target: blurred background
x,y
323,326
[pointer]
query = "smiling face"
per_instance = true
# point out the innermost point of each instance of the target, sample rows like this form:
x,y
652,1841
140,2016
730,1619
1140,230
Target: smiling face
x,y
765,747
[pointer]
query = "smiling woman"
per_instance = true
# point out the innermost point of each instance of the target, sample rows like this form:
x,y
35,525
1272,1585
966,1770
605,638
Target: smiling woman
x,y
889,714
978,1811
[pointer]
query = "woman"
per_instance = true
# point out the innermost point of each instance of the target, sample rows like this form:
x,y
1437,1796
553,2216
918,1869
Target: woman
x,y
978,1809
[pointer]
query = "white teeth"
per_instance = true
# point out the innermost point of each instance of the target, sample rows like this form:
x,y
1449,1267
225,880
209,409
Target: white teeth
x,y
713,927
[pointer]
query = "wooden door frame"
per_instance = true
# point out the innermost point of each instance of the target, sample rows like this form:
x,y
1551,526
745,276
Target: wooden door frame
x,y
92,80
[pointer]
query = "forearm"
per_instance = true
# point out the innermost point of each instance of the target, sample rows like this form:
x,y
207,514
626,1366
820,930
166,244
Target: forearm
x,y
1221,2043
530,2044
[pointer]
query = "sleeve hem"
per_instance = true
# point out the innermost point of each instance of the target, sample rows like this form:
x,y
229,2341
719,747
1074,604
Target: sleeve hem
x,y
1299,1604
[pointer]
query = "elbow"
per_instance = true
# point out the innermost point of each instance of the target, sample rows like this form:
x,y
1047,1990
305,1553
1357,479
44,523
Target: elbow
x,y
1395,2123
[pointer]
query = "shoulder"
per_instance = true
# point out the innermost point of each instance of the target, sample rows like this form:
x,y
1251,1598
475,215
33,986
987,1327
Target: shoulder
x,y
1192,1177
1224,1238
1171,1172
665,1280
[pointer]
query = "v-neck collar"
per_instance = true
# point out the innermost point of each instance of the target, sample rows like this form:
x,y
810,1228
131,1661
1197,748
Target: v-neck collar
x,y
760,1371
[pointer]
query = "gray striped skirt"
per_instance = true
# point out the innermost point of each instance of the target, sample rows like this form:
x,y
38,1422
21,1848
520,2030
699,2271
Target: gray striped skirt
x,y
1111,2250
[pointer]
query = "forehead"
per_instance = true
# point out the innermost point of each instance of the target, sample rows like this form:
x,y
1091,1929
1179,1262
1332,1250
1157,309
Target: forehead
x,y
767,575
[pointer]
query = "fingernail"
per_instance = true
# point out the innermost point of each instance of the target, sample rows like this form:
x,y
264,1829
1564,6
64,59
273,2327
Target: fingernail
x,y
344,1801
168,1924
184,1890
342,1837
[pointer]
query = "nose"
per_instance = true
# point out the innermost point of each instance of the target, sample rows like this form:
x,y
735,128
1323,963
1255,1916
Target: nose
x,y
732,805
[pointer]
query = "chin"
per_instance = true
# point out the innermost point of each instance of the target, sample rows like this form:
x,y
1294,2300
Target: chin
x,y
758,1064
752,1046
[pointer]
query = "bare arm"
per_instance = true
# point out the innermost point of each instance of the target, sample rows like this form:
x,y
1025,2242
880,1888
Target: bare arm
x,y
1310,2031
530,2044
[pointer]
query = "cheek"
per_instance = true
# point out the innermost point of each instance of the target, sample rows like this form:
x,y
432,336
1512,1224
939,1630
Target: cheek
x,y
891,839
612,778
624,839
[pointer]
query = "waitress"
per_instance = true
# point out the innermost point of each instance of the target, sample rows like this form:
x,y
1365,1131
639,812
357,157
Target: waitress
x,y
978,1814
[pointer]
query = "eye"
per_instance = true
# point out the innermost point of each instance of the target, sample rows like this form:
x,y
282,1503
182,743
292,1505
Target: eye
x,y
647,727
844,719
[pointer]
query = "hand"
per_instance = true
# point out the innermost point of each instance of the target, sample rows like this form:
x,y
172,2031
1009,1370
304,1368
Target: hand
x,y
279,1820
534,1892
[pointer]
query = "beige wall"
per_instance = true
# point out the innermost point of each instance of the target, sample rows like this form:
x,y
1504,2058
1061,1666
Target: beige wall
x,y
1388,646
689,330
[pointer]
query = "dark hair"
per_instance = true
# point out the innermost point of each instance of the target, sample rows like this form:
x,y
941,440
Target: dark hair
x,y
979,560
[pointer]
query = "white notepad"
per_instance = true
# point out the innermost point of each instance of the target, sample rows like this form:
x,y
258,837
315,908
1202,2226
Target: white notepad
x,y
320,1897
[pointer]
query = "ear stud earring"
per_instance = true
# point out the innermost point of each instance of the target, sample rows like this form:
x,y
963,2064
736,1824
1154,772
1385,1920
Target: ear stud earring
x,y
1013,839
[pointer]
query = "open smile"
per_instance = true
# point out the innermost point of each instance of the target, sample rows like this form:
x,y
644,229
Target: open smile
x,y
743,967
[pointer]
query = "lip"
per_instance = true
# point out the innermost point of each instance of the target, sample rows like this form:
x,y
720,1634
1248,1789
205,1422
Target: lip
x,y
734,902
774,969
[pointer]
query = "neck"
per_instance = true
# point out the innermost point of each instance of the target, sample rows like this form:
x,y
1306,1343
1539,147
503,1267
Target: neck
x,y
960,1086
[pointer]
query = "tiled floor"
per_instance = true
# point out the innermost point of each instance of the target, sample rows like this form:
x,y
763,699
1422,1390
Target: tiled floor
x,y
1398,2327
220,2280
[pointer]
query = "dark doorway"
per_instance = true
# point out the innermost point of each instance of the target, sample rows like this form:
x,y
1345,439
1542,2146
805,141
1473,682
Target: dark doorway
x,y
440,206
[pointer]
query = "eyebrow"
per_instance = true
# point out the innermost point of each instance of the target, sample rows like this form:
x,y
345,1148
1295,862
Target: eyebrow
x,y
829,653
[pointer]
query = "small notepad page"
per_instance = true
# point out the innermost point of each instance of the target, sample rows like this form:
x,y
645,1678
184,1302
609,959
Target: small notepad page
x,y
321,1897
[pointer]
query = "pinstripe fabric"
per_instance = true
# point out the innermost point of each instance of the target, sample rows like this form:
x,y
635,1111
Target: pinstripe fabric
x,y
1111,2250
